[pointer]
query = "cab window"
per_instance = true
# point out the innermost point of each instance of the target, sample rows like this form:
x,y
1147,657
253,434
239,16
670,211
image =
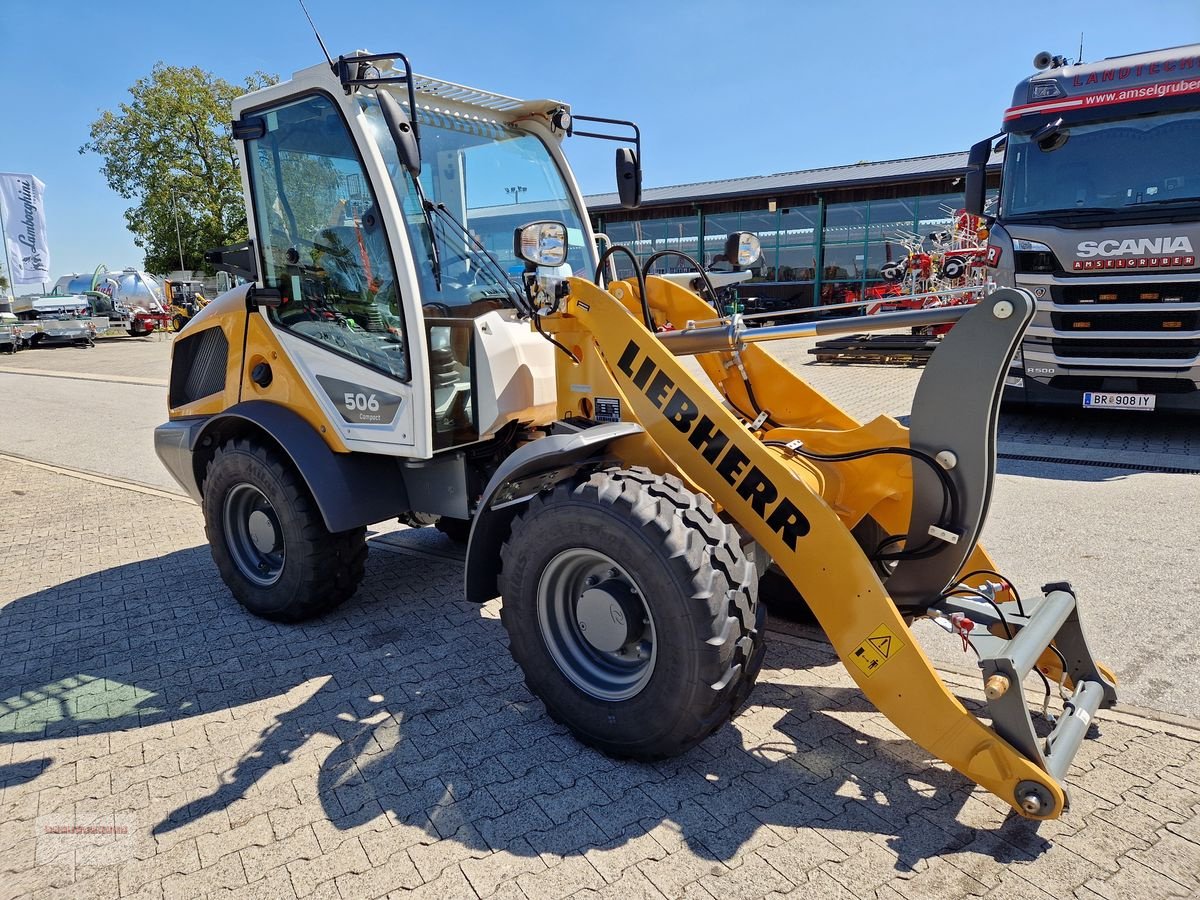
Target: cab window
x,y
322,239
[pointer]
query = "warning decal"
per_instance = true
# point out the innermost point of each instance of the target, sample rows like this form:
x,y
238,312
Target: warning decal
x,y
880,646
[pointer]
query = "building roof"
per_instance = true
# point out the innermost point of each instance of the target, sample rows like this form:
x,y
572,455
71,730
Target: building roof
x,y
917,168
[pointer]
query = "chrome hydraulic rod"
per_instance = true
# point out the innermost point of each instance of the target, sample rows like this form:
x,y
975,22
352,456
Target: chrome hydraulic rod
x,y
857,304
728,337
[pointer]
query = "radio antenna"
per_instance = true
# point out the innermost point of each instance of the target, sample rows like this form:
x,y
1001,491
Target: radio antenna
x,y
1080,59
316,33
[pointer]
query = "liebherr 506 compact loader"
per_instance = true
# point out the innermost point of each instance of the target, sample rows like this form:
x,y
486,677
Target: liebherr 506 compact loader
x,y
415,344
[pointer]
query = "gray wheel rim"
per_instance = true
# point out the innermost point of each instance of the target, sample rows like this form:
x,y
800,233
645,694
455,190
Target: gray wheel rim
x,y
253,534
606,674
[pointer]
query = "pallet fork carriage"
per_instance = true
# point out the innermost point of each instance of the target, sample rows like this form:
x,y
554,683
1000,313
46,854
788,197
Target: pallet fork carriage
x,y
623,509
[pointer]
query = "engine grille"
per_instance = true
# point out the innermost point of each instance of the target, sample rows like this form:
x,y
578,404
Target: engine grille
x,y
1158,320
198,366
1139,292
1132,349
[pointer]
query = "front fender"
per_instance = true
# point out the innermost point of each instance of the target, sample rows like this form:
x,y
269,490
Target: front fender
x,y
350,489
534,467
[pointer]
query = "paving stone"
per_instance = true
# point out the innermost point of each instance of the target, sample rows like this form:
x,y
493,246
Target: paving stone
x,y
1134,881
395,873
632,885
615,857
749,881
180,859
431,859
308,874
255,833
261,861
939,879
797,858
452,884
226,872
1174,857
673,873
577,833
488,873
561,880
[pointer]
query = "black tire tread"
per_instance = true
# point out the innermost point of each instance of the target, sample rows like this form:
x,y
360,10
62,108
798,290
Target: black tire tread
x,y
708,556
335,562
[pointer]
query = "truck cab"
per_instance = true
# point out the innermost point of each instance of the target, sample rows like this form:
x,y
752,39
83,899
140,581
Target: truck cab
x,y
1099,217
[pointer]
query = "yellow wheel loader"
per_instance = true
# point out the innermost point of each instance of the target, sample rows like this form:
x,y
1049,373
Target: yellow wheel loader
x,y
413,344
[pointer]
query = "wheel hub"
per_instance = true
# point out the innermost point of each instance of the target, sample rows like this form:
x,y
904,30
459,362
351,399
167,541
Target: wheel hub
x,y
262,531
253,534
596,625
609,615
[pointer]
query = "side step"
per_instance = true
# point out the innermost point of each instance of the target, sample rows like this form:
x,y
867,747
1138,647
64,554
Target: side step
x,y
1011,640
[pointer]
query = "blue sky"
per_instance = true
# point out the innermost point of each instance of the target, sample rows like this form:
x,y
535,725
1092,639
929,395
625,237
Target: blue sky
x,y
721,89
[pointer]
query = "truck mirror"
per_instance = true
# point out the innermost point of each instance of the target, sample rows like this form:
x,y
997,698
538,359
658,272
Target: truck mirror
x,y
629,178
541,243
401,129
976,186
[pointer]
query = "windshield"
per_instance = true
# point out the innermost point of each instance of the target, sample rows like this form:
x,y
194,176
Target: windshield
x,y
1102,166
491,178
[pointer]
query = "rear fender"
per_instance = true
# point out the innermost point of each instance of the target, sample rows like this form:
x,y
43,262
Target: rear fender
x,y
351,489
535,467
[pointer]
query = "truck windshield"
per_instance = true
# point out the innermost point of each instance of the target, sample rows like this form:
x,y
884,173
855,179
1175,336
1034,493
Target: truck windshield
x,y
492,178
1103,166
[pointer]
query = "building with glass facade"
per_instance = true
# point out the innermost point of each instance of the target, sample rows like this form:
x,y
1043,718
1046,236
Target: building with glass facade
x,y
825,232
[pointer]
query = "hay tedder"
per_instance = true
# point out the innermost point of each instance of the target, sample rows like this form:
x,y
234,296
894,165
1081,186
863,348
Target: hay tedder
x,y
419,339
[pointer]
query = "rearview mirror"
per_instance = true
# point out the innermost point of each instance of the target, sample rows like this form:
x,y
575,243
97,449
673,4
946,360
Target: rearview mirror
x,y
541,243
401,129
743,249
629,178
976,185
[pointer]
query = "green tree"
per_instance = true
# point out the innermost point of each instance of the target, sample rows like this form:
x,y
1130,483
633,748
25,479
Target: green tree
x,y
171,149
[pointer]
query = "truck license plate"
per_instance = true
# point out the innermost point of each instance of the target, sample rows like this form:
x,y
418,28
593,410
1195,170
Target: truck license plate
x,y
1101,400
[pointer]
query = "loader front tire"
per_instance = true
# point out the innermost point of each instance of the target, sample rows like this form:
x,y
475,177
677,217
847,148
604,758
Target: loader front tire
x,y
269,541
633,612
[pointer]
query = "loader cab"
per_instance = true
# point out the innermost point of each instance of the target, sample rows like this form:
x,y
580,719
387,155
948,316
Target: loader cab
x,y
412,283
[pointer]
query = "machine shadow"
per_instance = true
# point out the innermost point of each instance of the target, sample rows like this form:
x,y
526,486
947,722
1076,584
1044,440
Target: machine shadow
x,y
431,724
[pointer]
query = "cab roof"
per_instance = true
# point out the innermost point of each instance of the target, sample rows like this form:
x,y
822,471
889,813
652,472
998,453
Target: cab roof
x,y
1118,79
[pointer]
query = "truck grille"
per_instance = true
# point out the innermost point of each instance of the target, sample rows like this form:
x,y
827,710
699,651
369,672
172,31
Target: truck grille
x,y
1131,349
1159,320
1139,292
198,366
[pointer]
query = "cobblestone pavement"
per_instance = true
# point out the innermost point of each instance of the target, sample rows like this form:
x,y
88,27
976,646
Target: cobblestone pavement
x,y
157,742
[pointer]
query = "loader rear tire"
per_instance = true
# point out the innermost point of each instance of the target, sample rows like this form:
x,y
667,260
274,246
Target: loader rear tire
x,y
665,594
269,541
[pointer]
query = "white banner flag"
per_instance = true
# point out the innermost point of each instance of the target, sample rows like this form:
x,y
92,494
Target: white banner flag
x,y
24,228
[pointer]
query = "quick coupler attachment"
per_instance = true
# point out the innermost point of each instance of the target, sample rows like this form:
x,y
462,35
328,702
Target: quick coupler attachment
x,y
1015,638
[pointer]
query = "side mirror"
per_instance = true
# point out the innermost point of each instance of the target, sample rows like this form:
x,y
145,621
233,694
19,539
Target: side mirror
x,y
401,129
541,243
976,186
743,249
629,178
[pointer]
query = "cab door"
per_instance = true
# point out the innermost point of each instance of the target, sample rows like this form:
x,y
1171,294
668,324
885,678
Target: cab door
x,y
323,246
